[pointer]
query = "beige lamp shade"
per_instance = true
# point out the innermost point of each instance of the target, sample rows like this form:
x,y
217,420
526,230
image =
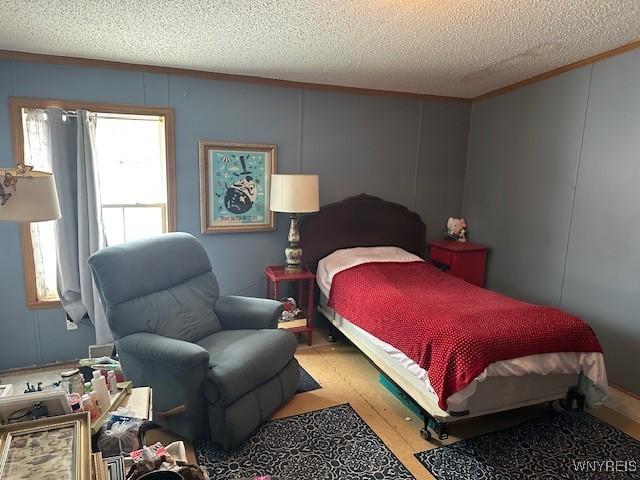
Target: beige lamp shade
x,y
294,193
34,199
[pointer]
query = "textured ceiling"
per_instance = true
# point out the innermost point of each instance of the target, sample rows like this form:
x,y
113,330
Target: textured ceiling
x,y
441,47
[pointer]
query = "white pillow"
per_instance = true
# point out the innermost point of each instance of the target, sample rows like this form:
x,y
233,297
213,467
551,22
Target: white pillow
x,y
346,258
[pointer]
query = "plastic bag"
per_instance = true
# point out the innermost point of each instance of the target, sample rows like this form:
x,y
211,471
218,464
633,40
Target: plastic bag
x,y
121,438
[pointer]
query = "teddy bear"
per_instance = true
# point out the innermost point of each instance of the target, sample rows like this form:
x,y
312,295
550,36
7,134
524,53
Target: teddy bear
x,y
457,229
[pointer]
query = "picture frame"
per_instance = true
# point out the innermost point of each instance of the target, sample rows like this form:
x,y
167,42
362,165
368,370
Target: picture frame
x,y
54,447
115,468
98,467
235,184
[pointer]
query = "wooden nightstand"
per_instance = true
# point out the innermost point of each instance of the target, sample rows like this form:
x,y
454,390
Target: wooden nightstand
x,y
276,274
464,260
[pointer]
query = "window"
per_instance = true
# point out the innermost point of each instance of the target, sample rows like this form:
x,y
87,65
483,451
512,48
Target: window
x,y
135,169
129,149
37,152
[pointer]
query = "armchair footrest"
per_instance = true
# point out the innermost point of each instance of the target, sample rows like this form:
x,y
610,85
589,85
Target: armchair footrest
x,y
241,360
232,424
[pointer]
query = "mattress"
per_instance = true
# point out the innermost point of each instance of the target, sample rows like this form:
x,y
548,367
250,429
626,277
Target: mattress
x,y
590,364
504,385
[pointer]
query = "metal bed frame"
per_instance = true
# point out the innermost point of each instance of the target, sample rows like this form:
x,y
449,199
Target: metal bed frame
x,y
430,424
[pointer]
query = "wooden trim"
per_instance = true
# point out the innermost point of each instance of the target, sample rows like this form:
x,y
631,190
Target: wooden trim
x,y
28,264
208,75
16,104
125,109
29,269
204,183
626,392
43,304
560,70
228,77
170,170
60,365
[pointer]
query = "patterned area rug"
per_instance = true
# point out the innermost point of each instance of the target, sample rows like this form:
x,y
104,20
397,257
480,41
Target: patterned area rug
x,y
307,382
333,444
571,445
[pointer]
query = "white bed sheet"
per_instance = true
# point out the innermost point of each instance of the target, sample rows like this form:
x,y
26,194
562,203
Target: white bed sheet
x,y
591,365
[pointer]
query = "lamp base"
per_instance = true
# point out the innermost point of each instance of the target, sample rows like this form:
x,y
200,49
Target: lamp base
x,y
293,256
293,268
293,253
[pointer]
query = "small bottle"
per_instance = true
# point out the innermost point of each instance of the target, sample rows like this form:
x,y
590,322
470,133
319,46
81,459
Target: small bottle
x,y
88,406
95,399
99,384
87,387
75,402
78,385
72,381
112,382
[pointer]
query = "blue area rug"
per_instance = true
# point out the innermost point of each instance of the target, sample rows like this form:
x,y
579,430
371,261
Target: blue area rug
x,y
307,382
333,444
570,445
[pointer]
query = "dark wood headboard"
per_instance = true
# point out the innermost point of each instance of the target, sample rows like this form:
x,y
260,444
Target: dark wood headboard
x,y
360,221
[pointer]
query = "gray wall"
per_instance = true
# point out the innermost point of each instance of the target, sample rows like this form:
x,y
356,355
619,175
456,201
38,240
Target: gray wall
x,y
409,151
552,186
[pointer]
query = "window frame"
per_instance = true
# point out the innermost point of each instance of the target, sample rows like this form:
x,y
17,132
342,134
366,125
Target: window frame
x,y
16,104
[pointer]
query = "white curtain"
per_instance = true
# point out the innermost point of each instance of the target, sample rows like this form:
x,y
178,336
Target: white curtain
x,y
79,233
37,152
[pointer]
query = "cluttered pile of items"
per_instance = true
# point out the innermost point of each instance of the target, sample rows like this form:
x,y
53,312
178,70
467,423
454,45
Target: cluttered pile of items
x,y
93,396
97,386
124,455
80,425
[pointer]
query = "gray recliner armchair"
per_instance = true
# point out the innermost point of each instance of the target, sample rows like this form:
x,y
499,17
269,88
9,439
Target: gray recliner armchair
x,y
221,357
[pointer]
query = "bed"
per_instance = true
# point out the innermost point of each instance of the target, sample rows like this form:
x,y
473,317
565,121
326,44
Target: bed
x,y
370,228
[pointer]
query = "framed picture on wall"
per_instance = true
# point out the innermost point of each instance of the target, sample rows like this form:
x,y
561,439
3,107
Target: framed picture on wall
x,y
235,187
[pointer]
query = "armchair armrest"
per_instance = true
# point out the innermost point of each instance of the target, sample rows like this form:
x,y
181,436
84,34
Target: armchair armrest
x,y
237,313
165,350
175,370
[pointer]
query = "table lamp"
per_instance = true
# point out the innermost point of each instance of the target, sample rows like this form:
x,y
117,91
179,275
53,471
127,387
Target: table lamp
x,y
294,194
28,196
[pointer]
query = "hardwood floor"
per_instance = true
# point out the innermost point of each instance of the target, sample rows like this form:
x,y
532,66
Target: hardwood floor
x,y
347,377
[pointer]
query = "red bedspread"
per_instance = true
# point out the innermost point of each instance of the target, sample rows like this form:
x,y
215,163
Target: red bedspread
x,y
451,328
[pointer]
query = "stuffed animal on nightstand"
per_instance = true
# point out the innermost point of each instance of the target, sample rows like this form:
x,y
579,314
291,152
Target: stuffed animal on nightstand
x,y
457,229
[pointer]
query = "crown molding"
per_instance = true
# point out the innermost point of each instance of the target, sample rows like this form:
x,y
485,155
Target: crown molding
x,y
226,77
560,70
229,77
